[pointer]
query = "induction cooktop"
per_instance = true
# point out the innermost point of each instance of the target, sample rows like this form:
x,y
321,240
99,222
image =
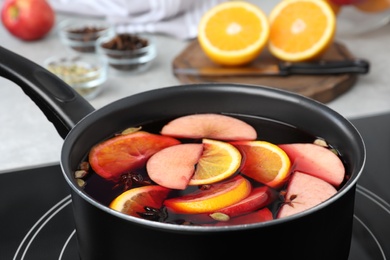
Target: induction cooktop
x,y
36,208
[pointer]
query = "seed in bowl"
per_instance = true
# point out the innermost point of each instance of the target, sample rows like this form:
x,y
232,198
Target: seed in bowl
x,y
127,52
266,169
80,35
126,42
85,34
85,74
72,73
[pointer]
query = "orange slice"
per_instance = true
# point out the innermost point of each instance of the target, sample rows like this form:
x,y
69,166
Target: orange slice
x,y
219,195
219,161
233,32
301,30
126,152
264,162
133,201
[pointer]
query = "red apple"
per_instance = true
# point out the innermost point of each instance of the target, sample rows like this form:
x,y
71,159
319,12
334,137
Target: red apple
x,y
28,20
346,2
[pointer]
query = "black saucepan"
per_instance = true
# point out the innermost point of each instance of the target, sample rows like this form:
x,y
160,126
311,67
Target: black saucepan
x,y
323,232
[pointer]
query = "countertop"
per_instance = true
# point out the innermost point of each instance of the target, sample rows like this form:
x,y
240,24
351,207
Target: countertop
x,y
28,139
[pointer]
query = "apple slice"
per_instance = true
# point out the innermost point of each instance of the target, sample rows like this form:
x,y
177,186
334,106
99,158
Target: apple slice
x,y
126,152
213,126
258,216
315,160
303,192
258,198
174,166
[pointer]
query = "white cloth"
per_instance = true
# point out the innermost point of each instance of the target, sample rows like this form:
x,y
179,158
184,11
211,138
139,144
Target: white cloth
x,y
178,18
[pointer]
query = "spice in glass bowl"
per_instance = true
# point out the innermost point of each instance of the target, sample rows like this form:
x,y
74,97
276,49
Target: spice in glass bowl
x,y
127,52
126,42
81,35
85,74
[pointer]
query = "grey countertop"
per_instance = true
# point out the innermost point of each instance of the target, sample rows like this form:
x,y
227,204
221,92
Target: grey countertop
x,y
28,139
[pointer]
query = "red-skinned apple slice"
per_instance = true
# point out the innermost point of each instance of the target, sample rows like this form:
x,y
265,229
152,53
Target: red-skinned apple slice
x,y
315,160
258,198
174,166
213,126
303,192
126,152
258,216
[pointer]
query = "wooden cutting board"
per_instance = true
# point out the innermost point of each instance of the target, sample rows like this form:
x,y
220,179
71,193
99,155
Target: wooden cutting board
x,y
323,88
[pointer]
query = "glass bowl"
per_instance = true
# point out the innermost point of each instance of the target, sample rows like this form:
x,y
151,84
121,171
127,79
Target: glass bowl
x,y
80,35
127,52
86,74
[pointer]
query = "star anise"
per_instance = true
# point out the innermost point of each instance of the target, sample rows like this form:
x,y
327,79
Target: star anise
x,y
131,178
154,214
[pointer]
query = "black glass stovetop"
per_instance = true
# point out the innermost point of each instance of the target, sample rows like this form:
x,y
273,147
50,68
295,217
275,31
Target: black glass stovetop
x,y
36,214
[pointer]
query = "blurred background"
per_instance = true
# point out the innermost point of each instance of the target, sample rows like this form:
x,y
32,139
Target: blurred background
x,y
27,138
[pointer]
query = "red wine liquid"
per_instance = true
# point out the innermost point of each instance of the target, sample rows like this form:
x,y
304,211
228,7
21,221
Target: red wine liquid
x,y
272,131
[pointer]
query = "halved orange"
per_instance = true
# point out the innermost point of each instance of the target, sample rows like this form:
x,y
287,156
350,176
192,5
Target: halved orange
x,y
264,162
233,32
219,195
219,161
301,30
133,201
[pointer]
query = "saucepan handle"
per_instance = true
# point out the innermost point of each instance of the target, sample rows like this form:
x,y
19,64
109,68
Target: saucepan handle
x,y
61,104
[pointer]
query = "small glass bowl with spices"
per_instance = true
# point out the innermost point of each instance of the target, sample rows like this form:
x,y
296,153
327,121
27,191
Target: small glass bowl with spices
x,y
126,52
80,35
86,74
